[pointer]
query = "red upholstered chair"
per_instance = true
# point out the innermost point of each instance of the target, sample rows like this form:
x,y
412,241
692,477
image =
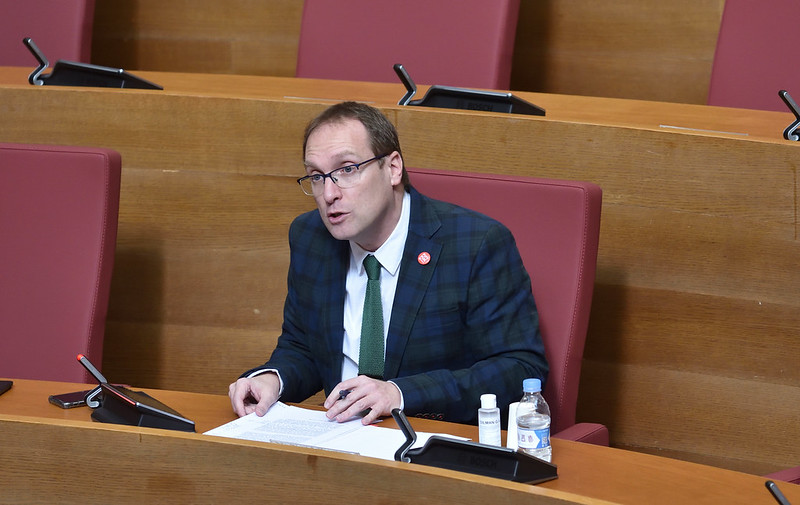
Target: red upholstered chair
x,y
468,43
58,229
556,225
756,55
62,29
789,475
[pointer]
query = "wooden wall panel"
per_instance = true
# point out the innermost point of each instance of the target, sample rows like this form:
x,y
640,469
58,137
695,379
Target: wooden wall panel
x,y
200,274
628,48
252,37
695,416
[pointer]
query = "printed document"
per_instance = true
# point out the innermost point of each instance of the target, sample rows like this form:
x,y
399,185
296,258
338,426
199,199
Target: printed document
x,y
286,424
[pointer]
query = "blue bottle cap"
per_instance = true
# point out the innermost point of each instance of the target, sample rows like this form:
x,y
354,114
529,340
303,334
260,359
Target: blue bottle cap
x,y
531,385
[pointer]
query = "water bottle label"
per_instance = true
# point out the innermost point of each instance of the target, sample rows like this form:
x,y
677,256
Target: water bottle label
x,y
533,439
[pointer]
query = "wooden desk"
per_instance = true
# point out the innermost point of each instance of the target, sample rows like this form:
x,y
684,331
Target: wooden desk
x,y
697,281
655,116
53,454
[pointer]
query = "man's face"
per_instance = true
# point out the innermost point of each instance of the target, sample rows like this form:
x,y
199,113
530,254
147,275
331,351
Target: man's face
x,y
368,212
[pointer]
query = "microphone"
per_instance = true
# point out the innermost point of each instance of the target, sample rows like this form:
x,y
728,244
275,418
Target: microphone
x,y
773,488
92,370
790,133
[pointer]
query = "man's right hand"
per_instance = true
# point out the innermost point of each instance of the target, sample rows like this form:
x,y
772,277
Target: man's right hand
x,y
256,394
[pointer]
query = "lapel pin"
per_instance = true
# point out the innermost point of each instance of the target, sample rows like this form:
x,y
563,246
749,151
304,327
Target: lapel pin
x,y
424,258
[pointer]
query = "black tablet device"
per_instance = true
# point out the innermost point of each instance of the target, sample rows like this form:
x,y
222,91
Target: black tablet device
x,y
472,457
121,405
71,73
449,97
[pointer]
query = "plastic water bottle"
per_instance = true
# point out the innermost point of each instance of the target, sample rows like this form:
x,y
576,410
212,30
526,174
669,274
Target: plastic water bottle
x,y
533,421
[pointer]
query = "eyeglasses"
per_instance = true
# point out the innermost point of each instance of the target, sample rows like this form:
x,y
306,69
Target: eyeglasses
x,y
344,177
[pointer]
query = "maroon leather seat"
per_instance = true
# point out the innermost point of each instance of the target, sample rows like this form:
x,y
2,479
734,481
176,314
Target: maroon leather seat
x,y
788,475
556,225
58,228
756,55
468,43
61,29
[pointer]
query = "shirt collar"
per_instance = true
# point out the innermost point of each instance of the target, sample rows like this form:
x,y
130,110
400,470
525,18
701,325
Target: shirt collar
x,y
390,253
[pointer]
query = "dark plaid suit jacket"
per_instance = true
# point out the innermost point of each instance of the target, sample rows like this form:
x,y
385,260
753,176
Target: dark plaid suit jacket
x,y
462,325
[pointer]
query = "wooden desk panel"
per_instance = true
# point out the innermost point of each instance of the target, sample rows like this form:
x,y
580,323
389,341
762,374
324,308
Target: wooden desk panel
x,y
49,453
77,462
697,272
664,117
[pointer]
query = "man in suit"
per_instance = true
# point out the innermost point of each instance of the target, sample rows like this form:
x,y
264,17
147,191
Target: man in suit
x,y
458,315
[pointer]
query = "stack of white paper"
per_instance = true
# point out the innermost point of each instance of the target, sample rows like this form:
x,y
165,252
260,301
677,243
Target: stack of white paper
x,y
285,424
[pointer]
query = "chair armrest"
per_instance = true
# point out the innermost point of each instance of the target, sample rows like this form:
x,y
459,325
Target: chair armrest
x,y
590,433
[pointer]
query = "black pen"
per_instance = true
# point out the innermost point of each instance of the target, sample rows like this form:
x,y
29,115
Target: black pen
x,y
773,488
343,394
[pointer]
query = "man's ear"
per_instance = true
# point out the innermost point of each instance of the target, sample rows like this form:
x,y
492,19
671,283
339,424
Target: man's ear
x,y
395,165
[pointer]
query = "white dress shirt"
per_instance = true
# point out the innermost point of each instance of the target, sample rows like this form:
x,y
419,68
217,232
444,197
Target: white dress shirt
x,y
389,254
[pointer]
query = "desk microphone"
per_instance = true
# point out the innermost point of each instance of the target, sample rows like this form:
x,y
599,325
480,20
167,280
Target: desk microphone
x,y
468,456
91,368
93,397
790,133
773,488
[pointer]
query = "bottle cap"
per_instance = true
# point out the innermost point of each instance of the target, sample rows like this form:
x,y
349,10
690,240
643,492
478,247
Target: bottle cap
x,y
488,401
532,385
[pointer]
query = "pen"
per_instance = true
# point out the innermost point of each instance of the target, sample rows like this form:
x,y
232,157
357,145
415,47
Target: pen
x,y
343,394
92,370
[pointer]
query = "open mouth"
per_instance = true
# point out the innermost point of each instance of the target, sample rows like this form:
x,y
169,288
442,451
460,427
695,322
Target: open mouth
x,y
335,217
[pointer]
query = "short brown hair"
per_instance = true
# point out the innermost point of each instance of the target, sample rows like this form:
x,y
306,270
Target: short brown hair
x,y
382,133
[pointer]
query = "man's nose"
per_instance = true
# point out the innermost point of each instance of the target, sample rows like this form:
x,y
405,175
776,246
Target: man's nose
x,y
330,192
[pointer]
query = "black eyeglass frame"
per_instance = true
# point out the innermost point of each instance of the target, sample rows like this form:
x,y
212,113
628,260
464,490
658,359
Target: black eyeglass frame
x,y
332,173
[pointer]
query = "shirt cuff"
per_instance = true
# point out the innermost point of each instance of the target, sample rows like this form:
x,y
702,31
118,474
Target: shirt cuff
x,y
402,402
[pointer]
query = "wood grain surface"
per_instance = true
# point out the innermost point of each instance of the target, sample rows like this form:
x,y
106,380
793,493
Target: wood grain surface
x,y
694,337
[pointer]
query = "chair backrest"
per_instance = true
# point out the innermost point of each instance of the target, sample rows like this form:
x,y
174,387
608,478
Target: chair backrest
x,y
58,228
556,225
468,43
62,29
756,55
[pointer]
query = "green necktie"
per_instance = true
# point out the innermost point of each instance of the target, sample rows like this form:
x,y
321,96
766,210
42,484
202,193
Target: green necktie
x,y
370,357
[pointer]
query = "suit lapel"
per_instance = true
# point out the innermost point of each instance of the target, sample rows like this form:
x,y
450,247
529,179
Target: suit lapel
x,y
415,275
